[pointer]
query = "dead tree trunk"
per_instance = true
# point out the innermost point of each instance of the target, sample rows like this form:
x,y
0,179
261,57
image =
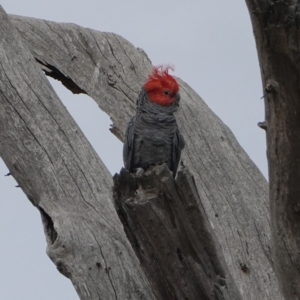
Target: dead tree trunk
x,y
276,29
62,175
167,228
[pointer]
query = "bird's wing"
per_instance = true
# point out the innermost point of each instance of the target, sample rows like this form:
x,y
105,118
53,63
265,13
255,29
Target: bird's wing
x,y
178,145
128,146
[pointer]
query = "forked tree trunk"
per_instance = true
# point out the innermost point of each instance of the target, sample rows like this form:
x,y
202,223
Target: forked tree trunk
x,y
276,29
63,176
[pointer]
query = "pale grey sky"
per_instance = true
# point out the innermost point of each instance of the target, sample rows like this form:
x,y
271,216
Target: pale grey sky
x,y
211,45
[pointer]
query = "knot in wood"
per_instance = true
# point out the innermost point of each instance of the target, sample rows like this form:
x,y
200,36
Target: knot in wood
x,y
110,79
271,86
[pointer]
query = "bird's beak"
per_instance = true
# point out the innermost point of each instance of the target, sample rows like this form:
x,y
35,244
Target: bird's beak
x,y
177,99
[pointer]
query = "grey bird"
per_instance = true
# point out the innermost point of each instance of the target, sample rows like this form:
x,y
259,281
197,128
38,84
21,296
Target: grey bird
x,y
152,136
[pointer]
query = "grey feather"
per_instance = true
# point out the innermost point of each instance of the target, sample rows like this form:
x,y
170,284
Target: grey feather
x,y
152,137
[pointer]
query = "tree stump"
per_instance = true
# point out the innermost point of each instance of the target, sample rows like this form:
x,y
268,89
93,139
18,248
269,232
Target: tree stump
x,y
171,235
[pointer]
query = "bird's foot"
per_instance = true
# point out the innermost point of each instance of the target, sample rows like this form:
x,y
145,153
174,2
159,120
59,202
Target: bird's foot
x,y
139,171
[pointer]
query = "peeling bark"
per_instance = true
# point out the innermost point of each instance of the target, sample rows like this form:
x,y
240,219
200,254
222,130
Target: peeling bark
x,y
276,30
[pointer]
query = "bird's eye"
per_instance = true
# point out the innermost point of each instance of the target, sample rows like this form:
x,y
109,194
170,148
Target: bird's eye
x,y
166,92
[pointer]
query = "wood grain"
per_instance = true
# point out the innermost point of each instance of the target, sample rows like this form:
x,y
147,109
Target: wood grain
x,y
276,30
63,177
172,236
233,192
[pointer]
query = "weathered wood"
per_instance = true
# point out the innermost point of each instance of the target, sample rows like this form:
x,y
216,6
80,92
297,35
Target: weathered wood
x,y
276,29
103,65
64,178
172,236
232,190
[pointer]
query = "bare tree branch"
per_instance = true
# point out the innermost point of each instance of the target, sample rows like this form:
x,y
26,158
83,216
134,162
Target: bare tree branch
x,y
232,190
276,29
103,65
64,178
